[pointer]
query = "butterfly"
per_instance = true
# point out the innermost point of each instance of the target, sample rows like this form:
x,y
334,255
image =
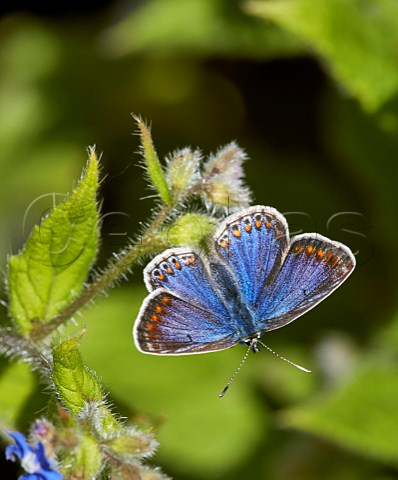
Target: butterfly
x,y
254,280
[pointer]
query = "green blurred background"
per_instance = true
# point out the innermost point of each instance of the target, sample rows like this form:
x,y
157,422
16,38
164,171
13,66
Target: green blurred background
x,y
310,91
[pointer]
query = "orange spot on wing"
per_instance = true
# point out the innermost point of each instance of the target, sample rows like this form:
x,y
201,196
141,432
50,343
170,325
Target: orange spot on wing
x,y
309,250
154,317
158,308
161,276
320,254
336,262
329,257
236,233
258,223
188,260
298,249
166,301
268,225
248,228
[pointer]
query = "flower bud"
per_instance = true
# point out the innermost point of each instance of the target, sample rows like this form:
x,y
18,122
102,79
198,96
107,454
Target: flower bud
x,y
128,471
183,170
86,460
43,431
132,444
190,229
223,179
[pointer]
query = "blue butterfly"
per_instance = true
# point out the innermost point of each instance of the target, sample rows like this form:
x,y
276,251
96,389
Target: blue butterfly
x,y
255,279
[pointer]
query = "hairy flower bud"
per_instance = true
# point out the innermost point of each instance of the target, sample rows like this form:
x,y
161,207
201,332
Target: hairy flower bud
x,y
86,460
223,179
190,229
132,444
183,170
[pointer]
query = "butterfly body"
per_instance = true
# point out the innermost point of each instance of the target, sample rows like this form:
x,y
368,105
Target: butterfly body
x,y
256,279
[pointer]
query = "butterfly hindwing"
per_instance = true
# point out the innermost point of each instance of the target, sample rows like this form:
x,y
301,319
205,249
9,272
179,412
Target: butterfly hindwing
x,y
170,325
313,268
253,243
183,314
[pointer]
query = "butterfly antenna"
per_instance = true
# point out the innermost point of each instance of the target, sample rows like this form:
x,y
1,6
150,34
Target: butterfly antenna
x,y
282,358
236,373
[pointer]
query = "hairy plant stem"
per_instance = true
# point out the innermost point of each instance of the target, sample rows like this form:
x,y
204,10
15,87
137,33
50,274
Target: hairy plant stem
x,y
18,346
147,244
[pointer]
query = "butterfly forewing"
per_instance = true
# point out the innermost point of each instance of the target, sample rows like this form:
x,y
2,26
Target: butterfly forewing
x,y
253,243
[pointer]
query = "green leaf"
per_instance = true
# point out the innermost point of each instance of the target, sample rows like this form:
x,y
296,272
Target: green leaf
x,y
75,383
360,415
154,169
209,27
49,272
357,39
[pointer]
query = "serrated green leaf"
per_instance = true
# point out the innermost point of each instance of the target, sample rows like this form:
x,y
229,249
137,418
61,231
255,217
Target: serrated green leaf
x,y
75,383
49,272
356,38
361,415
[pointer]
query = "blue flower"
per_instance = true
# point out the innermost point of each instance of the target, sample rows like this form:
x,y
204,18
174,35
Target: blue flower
x,y
33,459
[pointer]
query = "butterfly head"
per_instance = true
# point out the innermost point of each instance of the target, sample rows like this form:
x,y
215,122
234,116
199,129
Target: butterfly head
x,y
253,342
